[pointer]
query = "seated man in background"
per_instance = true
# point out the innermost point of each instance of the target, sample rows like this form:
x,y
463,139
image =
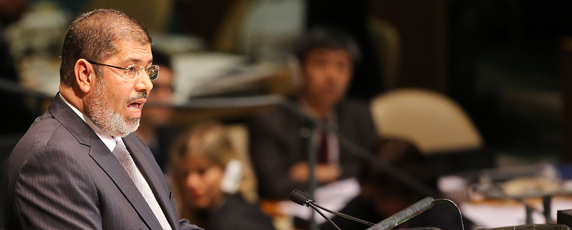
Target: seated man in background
x,y
155,129
280,138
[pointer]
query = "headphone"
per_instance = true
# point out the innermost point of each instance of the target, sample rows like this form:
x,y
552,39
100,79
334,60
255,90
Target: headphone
x,y
231,178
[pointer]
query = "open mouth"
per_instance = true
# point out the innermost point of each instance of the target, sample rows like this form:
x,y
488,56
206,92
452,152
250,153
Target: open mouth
x,y
135,106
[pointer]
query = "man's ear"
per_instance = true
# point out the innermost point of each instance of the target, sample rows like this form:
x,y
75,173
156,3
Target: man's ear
x,y
84,75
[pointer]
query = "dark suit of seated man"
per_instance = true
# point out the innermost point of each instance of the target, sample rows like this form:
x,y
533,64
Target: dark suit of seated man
x,y
280,139
79,166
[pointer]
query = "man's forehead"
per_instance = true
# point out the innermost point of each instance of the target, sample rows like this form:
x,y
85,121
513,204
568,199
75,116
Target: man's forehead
x,y
324,51
134,51
328,53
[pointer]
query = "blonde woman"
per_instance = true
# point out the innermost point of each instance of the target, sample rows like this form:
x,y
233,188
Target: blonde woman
x,y
212,183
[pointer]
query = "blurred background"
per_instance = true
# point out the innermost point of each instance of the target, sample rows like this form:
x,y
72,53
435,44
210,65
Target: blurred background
x,y
507,64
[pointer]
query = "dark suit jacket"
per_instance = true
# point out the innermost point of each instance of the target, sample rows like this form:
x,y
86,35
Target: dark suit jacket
x,y
277,143
62,176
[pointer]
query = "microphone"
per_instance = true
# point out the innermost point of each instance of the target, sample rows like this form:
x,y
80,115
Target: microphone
x,y
404,215
300,198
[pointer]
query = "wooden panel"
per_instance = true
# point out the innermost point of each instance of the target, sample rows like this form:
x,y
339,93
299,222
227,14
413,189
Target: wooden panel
x,y
423,29
566,52
153,14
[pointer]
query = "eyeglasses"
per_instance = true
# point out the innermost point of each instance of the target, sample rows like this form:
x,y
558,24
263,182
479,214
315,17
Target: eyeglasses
x,y
133,72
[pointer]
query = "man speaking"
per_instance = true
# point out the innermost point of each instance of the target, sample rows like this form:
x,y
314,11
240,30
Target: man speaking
x,y
79,166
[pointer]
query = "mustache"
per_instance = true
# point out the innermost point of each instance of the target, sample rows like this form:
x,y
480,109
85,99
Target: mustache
x,y
139,95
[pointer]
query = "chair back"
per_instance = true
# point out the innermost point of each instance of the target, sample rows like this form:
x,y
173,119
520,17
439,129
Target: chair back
x,y
432,121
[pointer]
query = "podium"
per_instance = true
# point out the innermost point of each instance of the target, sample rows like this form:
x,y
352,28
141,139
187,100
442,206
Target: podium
x,y
533,227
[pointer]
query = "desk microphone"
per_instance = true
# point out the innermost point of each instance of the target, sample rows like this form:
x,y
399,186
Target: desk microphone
x,y
300,198
389,223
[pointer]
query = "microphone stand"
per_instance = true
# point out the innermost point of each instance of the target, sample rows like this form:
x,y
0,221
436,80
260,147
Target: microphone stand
x,y
302,199
341,214
311,204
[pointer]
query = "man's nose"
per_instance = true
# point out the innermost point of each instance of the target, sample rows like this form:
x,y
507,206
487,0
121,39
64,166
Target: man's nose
x,y
144,83
331,72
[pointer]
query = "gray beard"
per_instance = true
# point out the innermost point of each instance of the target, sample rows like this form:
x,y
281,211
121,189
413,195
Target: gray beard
x,y
109,121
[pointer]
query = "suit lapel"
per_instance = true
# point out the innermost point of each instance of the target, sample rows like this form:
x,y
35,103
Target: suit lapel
x,y
108,163
152,176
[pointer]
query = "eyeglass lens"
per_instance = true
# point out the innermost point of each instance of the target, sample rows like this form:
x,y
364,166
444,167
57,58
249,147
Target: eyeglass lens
x,y
134,71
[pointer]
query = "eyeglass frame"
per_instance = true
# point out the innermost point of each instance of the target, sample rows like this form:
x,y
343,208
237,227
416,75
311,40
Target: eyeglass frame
x,y
132,65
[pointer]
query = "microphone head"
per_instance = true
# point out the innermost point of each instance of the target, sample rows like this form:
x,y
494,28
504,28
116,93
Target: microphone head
x,y
299,197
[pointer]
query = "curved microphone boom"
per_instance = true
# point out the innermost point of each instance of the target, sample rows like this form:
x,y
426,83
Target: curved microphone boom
x,y
404,215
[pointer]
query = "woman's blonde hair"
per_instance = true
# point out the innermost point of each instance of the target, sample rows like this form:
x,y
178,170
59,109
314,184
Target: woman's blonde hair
x,y
208,140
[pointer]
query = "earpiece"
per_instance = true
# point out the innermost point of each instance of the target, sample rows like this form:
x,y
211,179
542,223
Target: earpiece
x,y
232,176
